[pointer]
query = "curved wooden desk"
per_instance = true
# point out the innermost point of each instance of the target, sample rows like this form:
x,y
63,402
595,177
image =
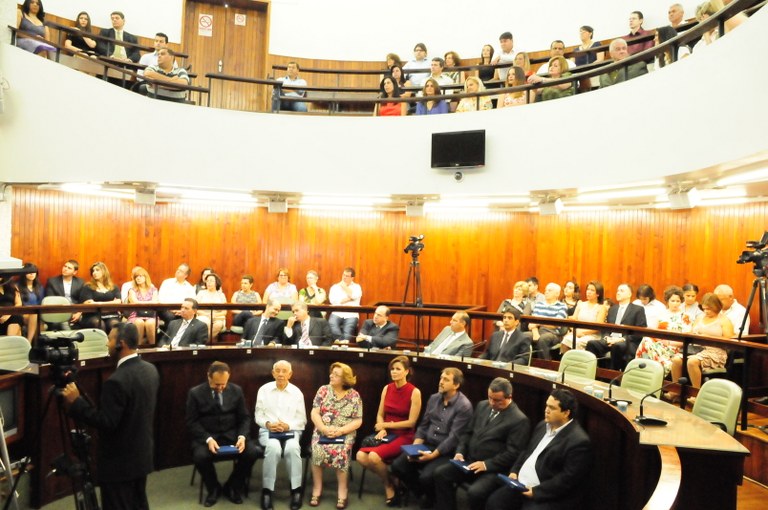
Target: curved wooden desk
x,y
628,459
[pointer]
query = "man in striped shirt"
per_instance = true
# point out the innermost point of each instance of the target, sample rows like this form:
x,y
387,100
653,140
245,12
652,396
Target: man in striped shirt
x,y
543,336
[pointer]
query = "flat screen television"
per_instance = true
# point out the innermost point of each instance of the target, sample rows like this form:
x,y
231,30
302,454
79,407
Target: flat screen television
x,y
458,149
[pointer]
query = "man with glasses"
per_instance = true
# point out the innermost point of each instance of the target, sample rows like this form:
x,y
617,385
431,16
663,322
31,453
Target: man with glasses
x,y
419,63
379,331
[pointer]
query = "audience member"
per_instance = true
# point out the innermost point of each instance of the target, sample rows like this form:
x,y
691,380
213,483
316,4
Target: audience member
x,y
571,296
710,323
397,74
506,55
388,89
9,296
75,42
732,309
486,71
453,340
175,290
676,15
216,417
547,337
692,308
378,332
393,59
636,30
417,69
522,60
31,292
312,294
100,289
142,291
337,413
436,73
555,466
446,416
345,293
519,299
490,445
293,80
557,69
201,285
673,319
591,309
31,18
125,421
646,297
664,34
127,285
620,346
215,320
396,419
473,85
618,52
246,296
281,417
304,330
585,36
515,78
116,33
452,60
267,329
556,49
68,285
150,58
509,344
431,106
188,330
533,290
166,72
282,290
703,12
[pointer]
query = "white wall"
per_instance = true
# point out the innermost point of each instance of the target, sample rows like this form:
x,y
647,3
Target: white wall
x,y
356,29
689,117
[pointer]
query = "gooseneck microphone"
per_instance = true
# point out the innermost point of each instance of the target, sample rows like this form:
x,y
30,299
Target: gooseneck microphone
x,y
474,347
610,398
650,420
577,363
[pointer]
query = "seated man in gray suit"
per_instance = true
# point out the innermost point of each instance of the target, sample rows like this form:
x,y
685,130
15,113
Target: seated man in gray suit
x,y
618,51
304,330
379,332
509,343
187,330
453,340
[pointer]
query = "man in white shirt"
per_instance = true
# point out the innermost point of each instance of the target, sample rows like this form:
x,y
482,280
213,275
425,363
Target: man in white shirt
x,y
676,15
281,416
732,309
556,463
419,63
346,293
506,55
293,80
175,290
150,59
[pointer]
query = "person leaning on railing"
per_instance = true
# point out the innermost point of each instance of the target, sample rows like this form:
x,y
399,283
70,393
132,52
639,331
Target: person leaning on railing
x,y
558,68
81,43
431,106
389,89
31,18
515,78
165,72
472,85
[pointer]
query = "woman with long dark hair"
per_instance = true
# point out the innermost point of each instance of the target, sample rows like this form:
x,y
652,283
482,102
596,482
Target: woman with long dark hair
x,y
389,89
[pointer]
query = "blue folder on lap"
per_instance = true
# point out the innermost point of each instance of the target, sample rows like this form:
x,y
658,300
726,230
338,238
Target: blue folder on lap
x,y
415,450
229,449
281,436
461,465
331,440
515,485
389,438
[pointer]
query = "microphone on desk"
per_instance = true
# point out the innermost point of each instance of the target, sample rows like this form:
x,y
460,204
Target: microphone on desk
x,y
650,420
610,398
475,346
576,363
170,340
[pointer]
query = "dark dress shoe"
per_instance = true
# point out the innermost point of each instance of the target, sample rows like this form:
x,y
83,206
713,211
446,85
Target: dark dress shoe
x,y
233,495
296,498
213,496
266,499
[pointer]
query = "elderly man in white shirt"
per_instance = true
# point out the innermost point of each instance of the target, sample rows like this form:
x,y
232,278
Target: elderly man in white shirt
x,y
732,309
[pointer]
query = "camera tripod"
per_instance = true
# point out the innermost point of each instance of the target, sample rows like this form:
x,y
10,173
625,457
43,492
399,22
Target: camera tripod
x,y
759,288
79,472
414,272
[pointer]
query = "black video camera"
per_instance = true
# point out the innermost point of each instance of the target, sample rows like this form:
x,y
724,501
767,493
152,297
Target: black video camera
x,y
61,353
757,254
415,245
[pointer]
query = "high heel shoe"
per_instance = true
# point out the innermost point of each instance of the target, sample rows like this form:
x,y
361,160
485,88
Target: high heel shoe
x,y
394,501
341,503
315,500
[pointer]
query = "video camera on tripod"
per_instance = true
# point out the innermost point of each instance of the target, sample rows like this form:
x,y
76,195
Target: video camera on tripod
x,y
415,245
757,254
61,353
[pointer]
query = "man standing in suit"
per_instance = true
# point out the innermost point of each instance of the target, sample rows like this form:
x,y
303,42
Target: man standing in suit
x,y
509,343
67,285
447,414
555,466
124,419
188,330
622,348
266,329
216,417
453,339
379,332
304,330
281,416
116,51
490,445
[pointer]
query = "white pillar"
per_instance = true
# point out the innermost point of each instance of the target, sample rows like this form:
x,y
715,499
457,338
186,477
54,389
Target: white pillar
x,y
7,17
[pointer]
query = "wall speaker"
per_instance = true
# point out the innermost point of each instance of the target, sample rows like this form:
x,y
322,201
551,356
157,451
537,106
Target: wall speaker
x,y
145,197
277,205
551,208
684,199
414,209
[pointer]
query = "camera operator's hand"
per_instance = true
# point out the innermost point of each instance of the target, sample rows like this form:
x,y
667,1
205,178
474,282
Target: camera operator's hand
x,y
70,393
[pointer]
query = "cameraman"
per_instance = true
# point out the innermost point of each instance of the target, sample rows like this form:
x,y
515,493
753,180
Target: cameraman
x,y
125,422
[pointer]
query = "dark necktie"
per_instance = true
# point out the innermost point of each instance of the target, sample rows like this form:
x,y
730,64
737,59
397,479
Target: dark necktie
x,y
218,398
260,332
504,341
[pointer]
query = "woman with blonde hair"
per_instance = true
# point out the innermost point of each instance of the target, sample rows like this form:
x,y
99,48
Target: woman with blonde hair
x,y
142,291
558,68
515,78
100,289
472,85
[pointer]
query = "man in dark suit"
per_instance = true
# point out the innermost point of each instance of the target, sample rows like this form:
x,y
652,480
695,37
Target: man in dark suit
x,y
110,49
509,343
379,332
124,419
490,445
216,417
556,464
68,285
266,329
622,348
187,330
306,331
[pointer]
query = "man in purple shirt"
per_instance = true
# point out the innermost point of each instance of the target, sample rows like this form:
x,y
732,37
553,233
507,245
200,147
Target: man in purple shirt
x,y
447,414
636,30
